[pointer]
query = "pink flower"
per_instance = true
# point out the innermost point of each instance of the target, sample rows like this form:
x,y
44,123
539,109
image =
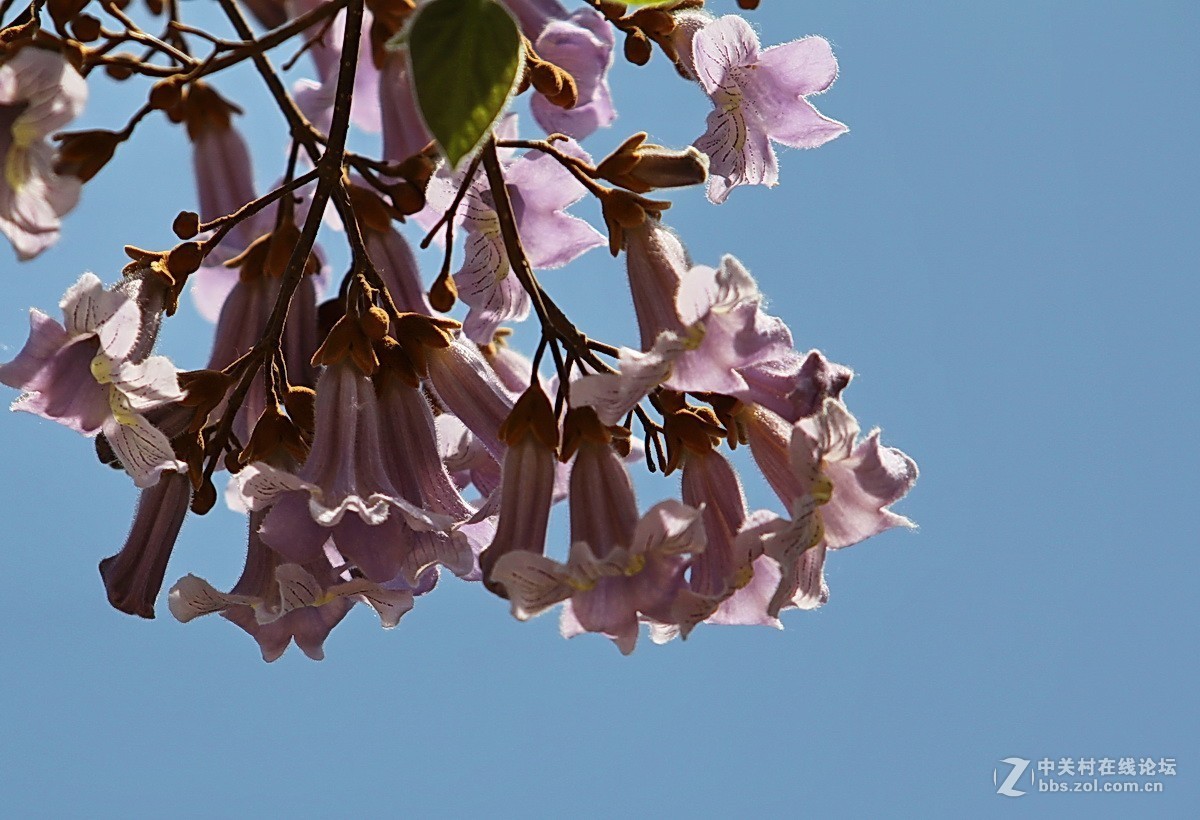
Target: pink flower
x,y
715,337
134,575
93,373
40,92
580,43
541,190
621,568
837,491
404,131
347,490
759,97
316,98
527,482
277,602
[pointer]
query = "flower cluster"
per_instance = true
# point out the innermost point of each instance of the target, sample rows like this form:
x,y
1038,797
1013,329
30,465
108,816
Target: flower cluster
x,y
373,442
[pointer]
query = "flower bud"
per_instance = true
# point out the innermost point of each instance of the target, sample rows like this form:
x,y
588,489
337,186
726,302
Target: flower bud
x,y
83,153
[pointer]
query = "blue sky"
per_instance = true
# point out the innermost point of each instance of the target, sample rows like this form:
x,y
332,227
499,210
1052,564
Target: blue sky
x,y
1003,247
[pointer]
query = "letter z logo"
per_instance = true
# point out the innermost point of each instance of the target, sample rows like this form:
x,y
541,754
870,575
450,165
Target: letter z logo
x,y
1019,765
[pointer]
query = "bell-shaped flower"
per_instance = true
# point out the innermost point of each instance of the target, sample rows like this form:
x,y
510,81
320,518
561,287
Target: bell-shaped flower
x,y
721,342
580,43
259,243
93,373
540,190
344,490
389,251
759,98
404,131
134,575
730,582
40,92
526,484
837,491
466,384
277,602
316,98
621,568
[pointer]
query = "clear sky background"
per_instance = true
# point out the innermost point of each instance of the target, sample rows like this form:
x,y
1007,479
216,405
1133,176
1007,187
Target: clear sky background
x,y
1005,249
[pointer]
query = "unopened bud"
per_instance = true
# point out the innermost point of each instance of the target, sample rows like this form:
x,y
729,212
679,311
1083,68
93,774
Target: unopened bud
x,y
121,66
407,198
83,153
375,323
85,28
165,94
443,294
185,258
204,498
186,224
637,47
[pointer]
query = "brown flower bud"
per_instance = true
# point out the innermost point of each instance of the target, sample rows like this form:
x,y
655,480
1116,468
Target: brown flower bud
x,y
375,323
371,211
184,259
637,47
166,93
204,498
748,5
120,66
642,167
443,294
186,224
85,28
83,153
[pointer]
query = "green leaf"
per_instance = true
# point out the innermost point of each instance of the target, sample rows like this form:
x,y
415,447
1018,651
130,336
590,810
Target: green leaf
x,y
466,56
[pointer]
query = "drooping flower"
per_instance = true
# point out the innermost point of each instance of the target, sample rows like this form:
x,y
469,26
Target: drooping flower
x,y
526,484
94,373
621,568
316,98
134,575
580,43
40,92
714,338
540,190
344,491
277,602
404,131
759,97
837,491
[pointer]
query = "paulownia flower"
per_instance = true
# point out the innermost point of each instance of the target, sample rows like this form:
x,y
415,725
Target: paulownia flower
x,y
837,491
621,568
716,339
277,602
93,373
345,491
40,92
759,97
316,98
541,190
580,43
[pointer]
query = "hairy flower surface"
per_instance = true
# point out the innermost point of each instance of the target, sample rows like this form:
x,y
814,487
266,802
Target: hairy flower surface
x,y
40,92
759,98
541,190
94,374
837,492
621,568
580,43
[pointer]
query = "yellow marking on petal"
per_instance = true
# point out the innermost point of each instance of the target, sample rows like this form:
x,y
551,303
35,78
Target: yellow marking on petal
x,y
581,584
636,564
102,371
24,133
695,336
14,168
121,410
822,489
743,576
